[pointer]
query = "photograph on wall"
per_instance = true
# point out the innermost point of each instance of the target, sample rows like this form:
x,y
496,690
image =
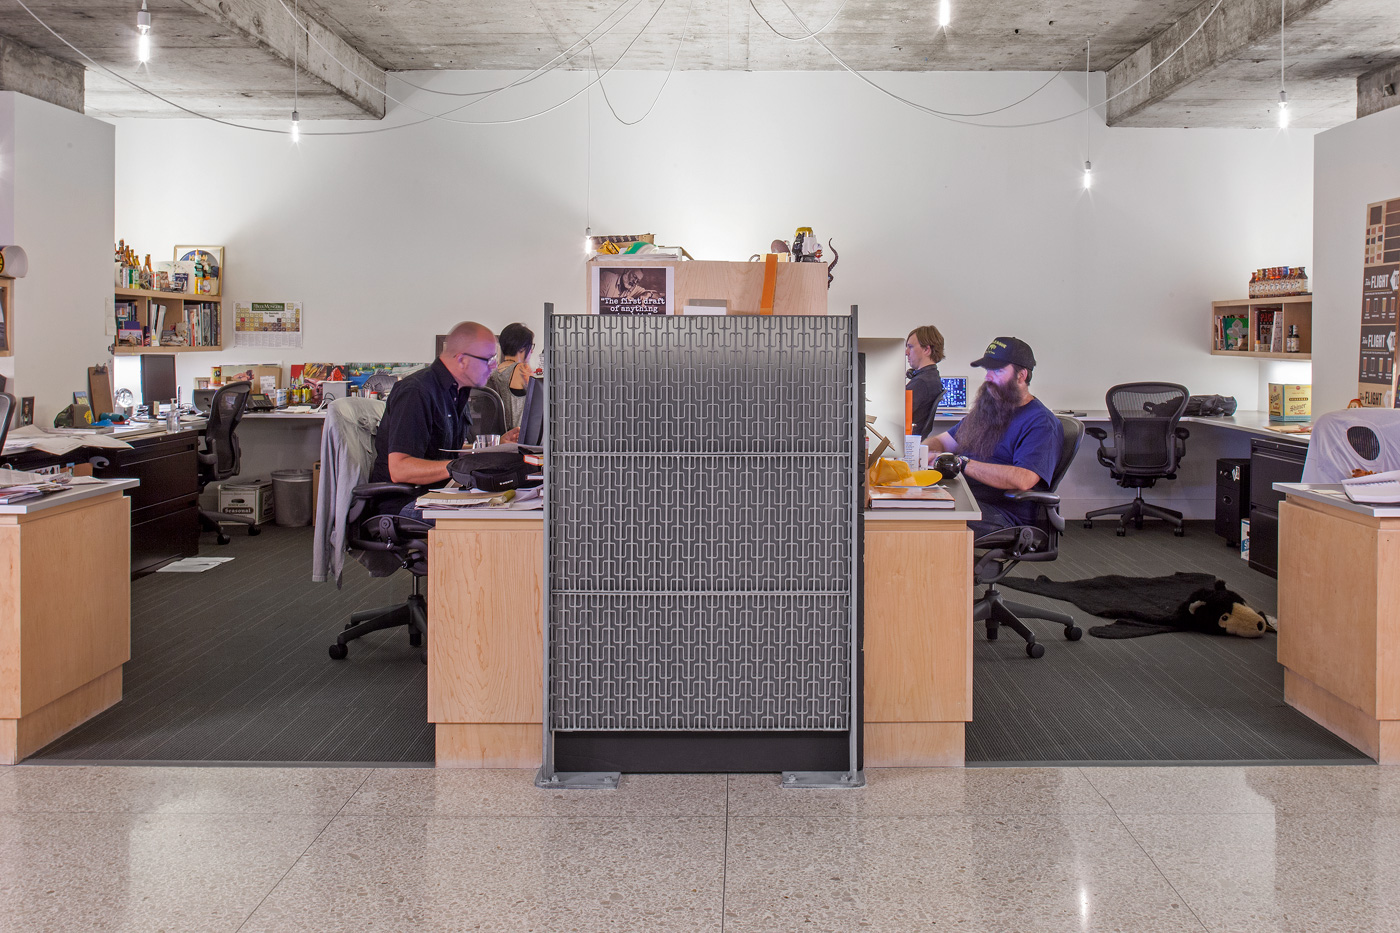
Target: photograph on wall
x,y
377,378
267,324
1380,316
207,263
633,290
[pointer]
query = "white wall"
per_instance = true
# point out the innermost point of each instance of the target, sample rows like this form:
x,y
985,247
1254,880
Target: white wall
x,y
1356,165
56,201
391,237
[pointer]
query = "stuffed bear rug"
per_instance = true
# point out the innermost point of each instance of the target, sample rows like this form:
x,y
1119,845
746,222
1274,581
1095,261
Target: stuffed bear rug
x,y
1193,602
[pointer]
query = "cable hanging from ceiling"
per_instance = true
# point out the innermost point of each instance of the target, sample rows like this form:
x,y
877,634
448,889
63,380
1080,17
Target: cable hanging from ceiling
x,y
1282,92
667,80
1088,166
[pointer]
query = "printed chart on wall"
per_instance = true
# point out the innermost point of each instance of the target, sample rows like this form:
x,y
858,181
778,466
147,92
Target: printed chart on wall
x,y
1380,288
633,290
267,324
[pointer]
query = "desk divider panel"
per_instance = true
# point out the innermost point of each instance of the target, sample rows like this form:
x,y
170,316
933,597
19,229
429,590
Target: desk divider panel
x,y
701,522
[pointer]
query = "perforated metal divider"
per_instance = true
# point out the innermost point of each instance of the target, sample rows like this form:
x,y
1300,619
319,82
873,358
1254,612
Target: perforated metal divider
x,y
701,527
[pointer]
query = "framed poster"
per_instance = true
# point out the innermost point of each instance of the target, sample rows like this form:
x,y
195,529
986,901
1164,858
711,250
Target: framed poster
x,y
1380,317
633,289
213,257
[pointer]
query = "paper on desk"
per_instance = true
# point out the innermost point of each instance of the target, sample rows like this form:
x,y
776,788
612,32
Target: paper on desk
x,y
37,438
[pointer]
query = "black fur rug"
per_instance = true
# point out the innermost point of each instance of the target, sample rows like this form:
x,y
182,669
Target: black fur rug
x,y
1142,605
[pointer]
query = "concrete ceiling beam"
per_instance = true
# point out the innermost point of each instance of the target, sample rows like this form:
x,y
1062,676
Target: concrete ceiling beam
x,y
329,60
1378,90
28,71
1236,28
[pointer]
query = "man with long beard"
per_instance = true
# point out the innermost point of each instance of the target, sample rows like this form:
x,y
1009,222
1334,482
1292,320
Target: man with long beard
x,y
1009,439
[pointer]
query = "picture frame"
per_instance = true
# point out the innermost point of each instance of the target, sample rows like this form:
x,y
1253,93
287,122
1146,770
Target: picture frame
x,y
26,410
215,253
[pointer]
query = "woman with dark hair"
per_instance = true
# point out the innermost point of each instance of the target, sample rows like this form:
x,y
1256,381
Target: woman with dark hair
x,y
512,374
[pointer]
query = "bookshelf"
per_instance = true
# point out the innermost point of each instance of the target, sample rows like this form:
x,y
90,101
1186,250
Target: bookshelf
x,y
1293,310
7,322
205,311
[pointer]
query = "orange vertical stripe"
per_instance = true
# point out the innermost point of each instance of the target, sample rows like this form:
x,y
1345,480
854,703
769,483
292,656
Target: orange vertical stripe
x,y
770,284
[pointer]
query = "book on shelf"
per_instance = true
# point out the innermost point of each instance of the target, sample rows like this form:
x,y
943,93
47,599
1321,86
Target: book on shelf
x,y
911,497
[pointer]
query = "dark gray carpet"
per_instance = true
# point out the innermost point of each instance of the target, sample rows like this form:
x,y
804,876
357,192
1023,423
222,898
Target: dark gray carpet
x,y
1179,697
231,665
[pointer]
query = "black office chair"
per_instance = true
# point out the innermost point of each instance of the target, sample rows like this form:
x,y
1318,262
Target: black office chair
x,y
7,408
488,412
1148,443
373,525
1006,547
219,455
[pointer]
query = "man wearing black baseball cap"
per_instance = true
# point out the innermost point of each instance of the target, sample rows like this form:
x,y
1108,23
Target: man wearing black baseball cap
x,y
1009,439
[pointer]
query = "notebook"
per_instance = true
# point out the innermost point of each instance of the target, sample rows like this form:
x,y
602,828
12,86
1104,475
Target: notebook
x,y
911,497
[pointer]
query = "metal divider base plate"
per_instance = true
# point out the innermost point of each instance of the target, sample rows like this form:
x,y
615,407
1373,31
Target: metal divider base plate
x,y
823,780
578,780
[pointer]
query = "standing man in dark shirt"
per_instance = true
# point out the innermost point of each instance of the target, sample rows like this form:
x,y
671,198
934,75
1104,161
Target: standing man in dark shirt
x,y
427,417
923,351
1009,439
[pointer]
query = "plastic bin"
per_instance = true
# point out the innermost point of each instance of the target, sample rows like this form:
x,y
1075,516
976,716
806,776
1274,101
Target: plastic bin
x,y
291,490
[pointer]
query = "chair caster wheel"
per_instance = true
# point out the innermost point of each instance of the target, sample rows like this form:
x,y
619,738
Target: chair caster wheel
x,y
1088,524
415,638
1074,633
992,634
423,655
223,538
254,531
1180,532
338,652
1122,532
1035,649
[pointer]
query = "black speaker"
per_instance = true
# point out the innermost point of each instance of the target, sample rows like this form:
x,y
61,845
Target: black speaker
x,y
1231,498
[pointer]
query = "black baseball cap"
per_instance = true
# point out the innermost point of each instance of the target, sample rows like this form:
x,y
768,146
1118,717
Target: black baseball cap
x,y
1005,350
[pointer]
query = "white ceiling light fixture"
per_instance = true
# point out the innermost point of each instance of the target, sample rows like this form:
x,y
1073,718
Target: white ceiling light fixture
x,y
1282,94
945,13
1088,166
143,38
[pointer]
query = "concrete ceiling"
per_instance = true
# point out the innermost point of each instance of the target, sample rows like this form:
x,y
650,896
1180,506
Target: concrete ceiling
x,y
232,58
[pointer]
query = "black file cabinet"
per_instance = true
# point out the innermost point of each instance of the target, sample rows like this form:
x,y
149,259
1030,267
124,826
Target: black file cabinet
x,y
1270,462
1231,498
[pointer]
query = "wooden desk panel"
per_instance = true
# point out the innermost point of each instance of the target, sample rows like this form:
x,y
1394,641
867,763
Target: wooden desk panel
x,y
1339,622
65,619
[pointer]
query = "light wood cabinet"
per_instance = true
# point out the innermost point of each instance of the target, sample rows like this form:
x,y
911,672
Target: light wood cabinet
x,y
1296,311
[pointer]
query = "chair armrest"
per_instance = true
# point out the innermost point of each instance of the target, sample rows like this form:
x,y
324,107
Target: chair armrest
x,y
368,491
1031,495
1099,433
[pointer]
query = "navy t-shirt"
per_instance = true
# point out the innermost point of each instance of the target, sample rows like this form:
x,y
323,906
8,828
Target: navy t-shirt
x,y
426,417
1032,441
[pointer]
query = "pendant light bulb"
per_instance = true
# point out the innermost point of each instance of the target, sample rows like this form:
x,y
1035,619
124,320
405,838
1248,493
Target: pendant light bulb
x,y
1088,175
944,13
296,127
1283,110
143,39
587,240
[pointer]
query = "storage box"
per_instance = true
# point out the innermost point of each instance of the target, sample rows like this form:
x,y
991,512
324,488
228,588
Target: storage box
x,y
1290,402
253,497
1244,538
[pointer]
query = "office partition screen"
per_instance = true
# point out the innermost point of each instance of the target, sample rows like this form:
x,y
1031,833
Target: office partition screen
x,y
701,532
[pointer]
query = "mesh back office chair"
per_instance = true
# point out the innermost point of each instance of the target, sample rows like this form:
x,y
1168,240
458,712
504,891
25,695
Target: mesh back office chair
x,y
219,457
1148,443
7,409
397,540
488,412
1007,547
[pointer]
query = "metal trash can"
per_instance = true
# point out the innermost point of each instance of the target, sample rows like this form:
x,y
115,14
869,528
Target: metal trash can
x,y
291,490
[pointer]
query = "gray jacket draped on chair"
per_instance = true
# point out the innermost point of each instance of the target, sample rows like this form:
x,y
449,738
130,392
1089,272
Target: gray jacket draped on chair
x,y
347,457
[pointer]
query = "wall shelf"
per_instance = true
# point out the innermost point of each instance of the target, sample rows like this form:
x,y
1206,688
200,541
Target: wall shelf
x,y
1295,311
175,304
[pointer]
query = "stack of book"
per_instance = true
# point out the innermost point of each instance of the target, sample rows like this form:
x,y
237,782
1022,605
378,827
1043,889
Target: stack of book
x,y
910,497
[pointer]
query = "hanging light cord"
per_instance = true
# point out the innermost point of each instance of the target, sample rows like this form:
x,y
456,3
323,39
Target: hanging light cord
x,y
809,35
1003,126
604,88
1086,98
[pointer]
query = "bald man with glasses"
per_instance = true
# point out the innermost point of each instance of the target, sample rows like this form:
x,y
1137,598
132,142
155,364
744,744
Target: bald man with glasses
x,y
427,416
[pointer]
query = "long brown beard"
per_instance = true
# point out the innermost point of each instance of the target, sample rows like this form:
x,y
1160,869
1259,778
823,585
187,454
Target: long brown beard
x,y
987,420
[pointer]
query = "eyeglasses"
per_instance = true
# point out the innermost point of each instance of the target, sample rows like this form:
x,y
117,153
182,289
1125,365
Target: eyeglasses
x,y
488,360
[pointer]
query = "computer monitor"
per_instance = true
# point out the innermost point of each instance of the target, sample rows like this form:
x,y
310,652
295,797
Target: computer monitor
x,y
157,379
532,415
954,393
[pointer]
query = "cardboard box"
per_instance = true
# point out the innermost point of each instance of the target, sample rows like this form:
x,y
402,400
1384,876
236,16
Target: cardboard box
x,y
251,497
252,372
1290,402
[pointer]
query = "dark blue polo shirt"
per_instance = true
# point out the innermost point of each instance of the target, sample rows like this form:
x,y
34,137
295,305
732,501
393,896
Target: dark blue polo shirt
x,y
927,387
426,417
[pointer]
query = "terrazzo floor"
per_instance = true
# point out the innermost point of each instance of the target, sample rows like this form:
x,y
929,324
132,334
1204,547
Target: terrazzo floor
x,y
984,849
